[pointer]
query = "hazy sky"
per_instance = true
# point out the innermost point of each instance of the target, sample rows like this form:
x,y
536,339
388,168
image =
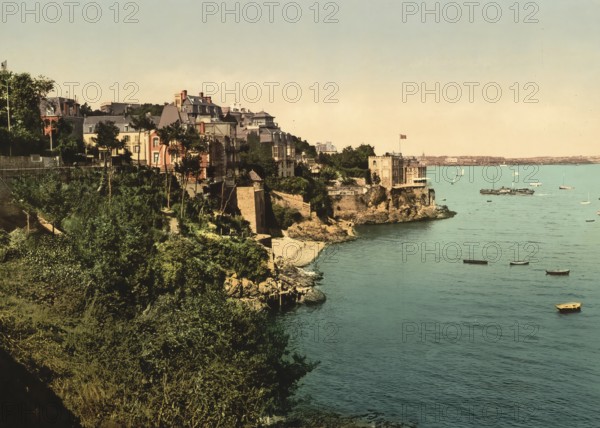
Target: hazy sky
x,y
375,61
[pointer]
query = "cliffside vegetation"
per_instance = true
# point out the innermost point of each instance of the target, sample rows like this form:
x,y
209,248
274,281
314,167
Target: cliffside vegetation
x,y
127,322
351,162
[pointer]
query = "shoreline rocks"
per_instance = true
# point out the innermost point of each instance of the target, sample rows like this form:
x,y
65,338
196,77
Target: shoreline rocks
x,y
289,286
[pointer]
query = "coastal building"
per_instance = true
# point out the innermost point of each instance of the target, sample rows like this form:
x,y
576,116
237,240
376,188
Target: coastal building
x,y
326,148
221,159
138,143
52,109
263,125
394,170
281,143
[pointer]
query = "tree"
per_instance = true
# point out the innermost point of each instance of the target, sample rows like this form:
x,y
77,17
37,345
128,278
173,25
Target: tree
x,y
259,157
142,123
85,110
107,134
189,142
168,134
25,95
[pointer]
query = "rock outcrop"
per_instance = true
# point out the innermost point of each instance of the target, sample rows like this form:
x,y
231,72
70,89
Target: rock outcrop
x,y
289,286
377,205
315,229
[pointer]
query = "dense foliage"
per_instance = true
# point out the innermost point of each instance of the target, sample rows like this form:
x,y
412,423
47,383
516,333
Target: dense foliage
x,y
258,157
25,92
351,162
285,217
129,323
313,190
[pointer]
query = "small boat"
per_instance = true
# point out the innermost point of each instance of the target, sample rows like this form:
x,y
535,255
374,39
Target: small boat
x,y
558,272
586,202
590,221
569,307
475,262
489,200
519,263
535,184
565,187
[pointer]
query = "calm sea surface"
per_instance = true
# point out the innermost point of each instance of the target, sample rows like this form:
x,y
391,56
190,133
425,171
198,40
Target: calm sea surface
x,y
412,334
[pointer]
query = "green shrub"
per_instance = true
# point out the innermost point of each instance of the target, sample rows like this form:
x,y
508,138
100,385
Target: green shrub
x,y
286,217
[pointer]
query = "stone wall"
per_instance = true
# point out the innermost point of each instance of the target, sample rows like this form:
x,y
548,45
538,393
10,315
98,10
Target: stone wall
x,y
291,201
251,203
22,162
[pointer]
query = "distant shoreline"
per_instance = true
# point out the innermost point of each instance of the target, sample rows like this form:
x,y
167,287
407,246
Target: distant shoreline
x,y
464,161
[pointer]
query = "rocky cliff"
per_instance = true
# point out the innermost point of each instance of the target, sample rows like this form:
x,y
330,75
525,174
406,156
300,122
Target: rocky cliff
x,y
377,205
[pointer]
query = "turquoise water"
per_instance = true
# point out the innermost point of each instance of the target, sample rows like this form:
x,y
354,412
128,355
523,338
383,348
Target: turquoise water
x,y
412,334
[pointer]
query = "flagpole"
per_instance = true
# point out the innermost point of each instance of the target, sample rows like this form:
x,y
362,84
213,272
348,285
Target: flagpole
x,y
4,68
8,102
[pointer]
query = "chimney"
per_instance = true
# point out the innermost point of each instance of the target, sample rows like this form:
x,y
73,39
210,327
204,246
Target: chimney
x,y
183,95
209,100
201,95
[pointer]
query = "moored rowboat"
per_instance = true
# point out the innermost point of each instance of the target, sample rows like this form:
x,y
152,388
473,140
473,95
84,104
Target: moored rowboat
x,y
476,262
569,307
558,272
519,263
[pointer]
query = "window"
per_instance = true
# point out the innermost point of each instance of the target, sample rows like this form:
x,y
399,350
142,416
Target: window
x,y
136,149
156,157
155,142
126,128
90,129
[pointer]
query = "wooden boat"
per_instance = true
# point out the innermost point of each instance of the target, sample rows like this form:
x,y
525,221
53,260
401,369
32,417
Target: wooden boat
x,y
590,221
519,263
569,307
558,272
475,262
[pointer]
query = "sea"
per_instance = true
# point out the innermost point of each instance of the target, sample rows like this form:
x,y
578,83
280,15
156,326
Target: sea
x,y
409,333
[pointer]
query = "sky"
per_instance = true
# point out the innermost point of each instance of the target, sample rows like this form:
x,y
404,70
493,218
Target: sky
x,y
503,78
